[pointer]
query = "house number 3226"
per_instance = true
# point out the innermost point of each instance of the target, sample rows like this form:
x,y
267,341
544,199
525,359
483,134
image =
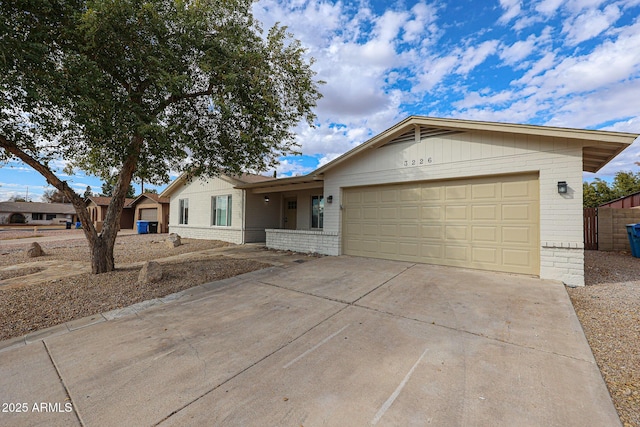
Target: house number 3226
x,y
417,162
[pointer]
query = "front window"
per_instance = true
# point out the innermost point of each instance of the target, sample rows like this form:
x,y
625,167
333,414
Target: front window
x,y
37,216
221,210
184,211
317,211
51,217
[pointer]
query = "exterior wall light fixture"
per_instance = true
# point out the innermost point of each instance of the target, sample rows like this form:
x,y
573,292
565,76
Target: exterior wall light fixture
x,y
330,199
562,187
266,199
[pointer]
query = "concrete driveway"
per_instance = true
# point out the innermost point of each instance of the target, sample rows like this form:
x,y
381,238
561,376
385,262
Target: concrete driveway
x,y
332,341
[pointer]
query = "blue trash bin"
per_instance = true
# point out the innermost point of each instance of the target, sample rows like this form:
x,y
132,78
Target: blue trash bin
x,y
633,232
143,227
78,225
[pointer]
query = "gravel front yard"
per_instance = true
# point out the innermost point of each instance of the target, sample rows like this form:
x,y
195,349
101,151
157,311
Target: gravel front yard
x,y
609,311
38,306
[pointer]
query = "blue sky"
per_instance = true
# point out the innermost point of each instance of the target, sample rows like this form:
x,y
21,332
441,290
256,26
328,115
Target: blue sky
x,y
569,63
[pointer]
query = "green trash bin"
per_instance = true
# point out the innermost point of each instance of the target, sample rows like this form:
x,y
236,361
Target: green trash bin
x,y
633,232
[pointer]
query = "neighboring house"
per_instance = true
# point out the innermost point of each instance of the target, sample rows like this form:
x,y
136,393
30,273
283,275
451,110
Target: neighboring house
x,y
152,207
36,213
482,195
630,201
97,207
215,208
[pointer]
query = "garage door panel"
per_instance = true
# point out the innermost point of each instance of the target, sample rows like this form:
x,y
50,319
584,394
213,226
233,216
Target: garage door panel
x,y
408,230
409,249
431,213
388,230
485,213
369,230
456,192
352,229
370,213
520,235
370,246
516,257
149,214
433,252
453,213
352,198
431,194
353,213
388,247
519,212
387,213
485,234
456,233
369,197
511,190
432,232
482,192
487,223
387,196
485,255
410,194
455,253
409,213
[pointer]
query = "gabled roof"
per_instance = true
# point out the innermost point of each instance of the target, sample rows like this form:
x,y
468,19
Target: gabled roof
x,y
37,207
152,196
599,147
104,201
245,178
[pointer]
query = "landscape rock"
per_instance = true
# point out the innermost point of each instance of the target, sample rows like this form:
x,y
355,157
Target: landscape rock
x,y
35,250
151,272
173,240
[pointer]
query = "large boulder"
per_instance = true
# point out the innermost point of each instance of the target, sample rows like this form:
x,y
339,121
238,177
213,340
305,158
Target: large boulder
x,y
173,240
35,250
151,272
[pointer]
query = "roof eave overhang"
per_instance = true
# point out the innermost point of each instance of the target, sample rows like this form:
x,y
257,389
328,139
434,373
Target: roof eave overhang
x,y
285,184
614,142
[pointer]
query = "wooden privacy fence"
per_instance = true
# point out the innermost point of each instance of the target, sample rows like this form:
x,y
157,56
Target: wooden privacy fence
x,y
591,228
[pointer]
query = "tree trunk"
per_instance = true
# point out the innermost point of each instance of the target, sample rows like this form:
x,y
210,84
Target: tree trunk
x,y
102,256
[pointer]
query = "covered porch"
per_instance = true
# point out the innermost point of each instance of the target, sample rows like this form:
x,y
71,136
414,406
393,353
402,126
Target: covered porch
x,y
299,202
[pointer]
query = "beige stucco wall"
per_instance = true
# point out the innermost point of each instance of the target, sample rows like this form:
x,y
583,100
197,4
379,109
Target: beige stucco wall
x,y
199,192
474,154
612,230
161,215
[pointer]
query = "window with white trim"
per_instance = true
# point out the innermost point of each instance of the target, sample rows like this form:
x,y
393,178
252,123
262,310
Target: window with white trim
x,y
317,211
183,206
221,210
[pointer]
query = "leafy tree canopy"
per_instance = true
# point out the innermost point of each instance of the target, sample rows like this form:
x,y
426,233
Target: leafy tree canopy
x,y
109,184
599,192
142,87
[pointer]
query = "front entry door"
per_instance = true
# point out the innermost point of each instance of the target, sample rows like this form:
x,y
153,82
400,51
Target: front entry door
x,y
290,213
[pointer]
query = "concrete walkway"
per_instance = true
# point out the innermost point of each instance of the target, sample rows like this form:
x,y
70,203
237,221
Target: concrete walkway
x,y
331,341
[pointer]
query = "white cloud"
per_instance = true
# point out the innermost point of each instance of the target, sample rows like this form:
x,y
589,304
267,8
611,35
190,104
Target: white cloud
x,y
292,168
590,24
512,9
548,7
475,55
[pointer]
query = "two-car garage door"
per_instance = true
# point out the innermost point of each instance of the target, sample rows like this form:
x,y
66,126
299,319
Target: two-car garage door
x,y
485,223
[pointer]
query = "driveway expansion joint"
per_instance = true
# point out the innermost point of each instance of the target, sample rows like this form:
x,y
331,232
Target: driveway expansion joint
x,y
62,382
